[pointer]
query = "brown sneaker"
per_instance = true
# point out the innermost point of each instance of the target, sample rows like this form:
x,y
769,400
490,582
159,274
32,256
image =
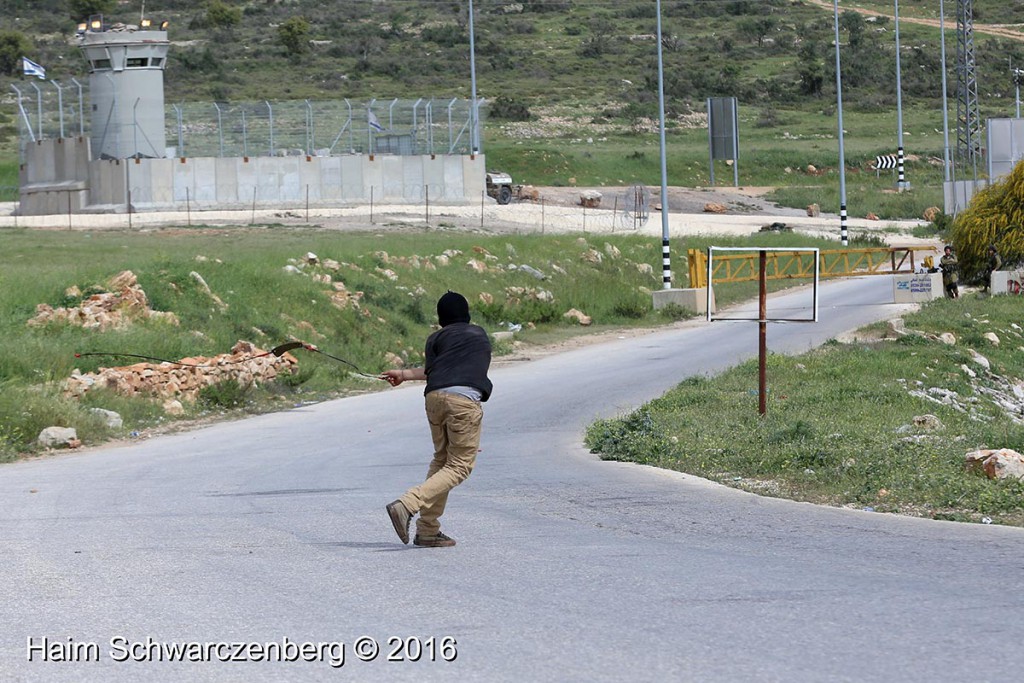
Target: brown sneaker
x,y
400,518
438,541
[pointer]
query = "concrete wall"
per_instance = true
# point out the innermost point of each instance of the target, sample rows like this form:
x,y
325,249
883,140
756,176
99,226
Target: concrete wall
x,y
54,178
916,287
1008,282
207,183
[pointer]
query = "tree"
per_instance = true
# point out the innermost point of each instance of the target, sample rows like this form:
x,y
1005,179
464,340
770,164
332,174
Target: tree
x,y
294,35
756,28
995,216
811,69
80,10
13,46
222,15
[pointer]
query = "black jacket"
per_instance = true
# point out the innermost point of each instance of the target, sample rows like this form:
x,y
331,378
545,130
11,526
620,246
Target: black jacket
x,y
458,354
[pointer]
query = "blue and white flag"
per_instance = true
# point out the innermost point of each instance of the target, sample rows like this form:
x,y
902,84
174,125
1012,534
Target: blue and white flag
x,y
374,123
33,69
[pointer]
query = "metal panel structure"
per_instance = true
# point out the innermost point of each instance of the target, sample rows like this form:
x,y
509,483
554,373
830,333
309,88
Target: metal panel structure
x,y
723,133
1005,146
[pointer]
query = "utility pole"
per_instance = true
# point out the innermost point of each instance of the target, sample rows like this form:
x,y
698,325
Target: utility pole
x,y
901,183
1018,78
666,262
945,102
843,231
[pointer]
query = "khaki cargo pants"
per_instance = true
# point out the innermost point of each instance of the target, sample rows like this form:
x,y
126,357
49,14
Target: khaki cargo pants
x,y
455,428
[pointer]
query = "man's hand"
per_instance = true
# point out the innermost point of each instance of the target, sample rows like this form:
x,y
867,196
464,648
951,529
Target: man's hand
x,y
393,377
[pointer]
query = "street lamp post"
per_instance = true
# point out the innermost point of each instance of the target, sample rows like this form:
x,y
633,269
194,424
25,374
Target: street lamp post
x,y
666,263
901,183
1018,78
474,113
843,228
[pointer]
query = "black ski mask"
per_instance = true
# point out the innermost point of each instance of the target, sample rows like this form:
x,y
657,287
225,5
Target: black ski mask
x,y
452,308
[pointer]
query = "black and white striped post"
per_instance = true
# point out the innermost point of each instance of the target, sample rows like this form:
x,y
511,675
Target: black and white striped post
x,y
844,234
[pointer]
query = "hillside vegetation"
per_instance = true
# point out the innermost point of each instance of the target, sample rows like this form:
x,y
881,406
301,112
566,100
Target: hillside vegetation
x,y
570,85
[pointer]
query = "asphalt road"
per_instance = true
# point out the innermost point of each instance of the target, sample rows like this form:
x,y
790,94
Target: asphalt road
x,y
271,533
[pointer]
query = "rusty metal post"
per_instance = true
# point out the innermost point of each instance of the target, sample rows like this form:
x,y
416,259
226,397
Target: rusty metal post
x,y
762,334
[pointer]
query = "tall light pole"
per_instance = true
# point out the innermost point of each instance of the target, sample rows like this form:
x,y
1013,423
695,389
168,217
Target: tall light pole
x,y
1018,78
901,183
666,263
844,235
945,103
474,113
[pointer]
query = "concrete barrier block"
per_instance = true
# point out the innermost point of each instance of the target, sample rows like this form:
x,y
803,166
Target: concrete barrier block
x,y
204,170
1008,282
310,178
915,287
226,171
373,176
355,181
268,180
691,299
184,182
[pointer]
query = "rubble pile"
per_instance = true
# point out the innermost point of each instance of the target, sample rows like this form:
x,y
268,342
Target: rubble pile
x,y
244,364
124,302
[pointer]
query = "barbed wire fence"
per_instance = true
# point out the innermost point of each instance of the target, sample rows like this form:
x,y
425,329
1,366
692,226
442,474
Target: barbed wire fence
x,y
265,128
616,215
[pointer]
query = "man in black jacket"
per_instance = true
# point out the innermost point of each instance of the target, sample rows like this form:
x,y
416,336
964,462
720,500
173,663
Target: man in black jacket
x,y
457,358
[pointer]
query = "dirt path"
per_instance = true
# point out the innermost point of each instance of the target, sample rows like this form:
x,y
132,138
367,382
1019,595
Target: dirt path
x,y
991,29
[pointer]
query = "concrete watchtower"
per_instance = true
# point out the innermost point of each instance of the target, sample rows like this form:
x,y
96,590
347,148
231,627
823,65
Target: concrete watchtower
x,y
126,85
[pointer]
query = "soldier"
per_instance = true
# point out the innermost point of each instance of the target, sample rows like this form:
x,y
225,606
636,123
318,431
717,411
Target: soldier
x,y
950,266
994,264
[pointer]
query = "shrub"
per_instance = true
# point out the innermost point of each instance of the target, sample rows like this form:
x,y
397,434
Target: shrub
x,y
225,395
505,108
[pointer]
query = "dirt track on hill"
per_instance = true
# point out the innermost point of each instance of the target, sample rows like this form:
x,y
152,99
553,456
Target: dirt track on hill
x,y
990,29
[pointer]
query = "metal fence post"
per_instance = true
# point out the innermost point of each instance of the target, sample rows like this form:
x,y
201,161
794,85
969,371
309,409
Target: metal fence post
x,y
39,110
81,108
181,134
309,128
60,105
220,128
270,112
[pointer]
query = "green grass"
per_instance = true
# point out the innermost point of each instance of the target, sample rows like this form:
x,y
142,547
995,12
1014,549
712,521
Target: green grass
x,y
8,180
266,305
836,430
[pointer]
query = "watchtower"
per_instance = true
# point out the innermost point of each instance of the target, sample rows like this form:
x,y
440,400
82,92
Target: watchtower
x,y
126,86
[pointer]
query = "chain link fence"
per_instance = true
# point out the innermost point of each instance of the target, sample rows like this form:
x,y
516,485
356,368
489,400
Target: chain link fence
x,y
268,128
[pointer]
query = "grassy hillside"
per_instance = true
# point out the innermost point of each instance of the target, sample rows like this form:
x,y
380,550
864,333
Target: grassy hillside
x,y
398,276
571,84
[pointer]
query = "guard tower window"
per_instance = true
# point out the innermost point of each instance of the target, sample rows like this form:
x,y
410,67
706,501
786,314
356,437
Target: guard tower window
x,y
137,62
156,61
99,64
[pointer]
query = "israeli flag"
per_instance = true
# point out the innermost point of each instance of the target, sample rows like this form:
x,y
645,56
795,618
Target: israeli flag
x,y
33,69
374,123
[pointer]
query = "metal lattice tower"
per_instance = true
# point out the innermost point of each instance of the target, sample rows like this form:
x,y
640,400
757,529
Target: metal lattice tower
x,y
968,118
